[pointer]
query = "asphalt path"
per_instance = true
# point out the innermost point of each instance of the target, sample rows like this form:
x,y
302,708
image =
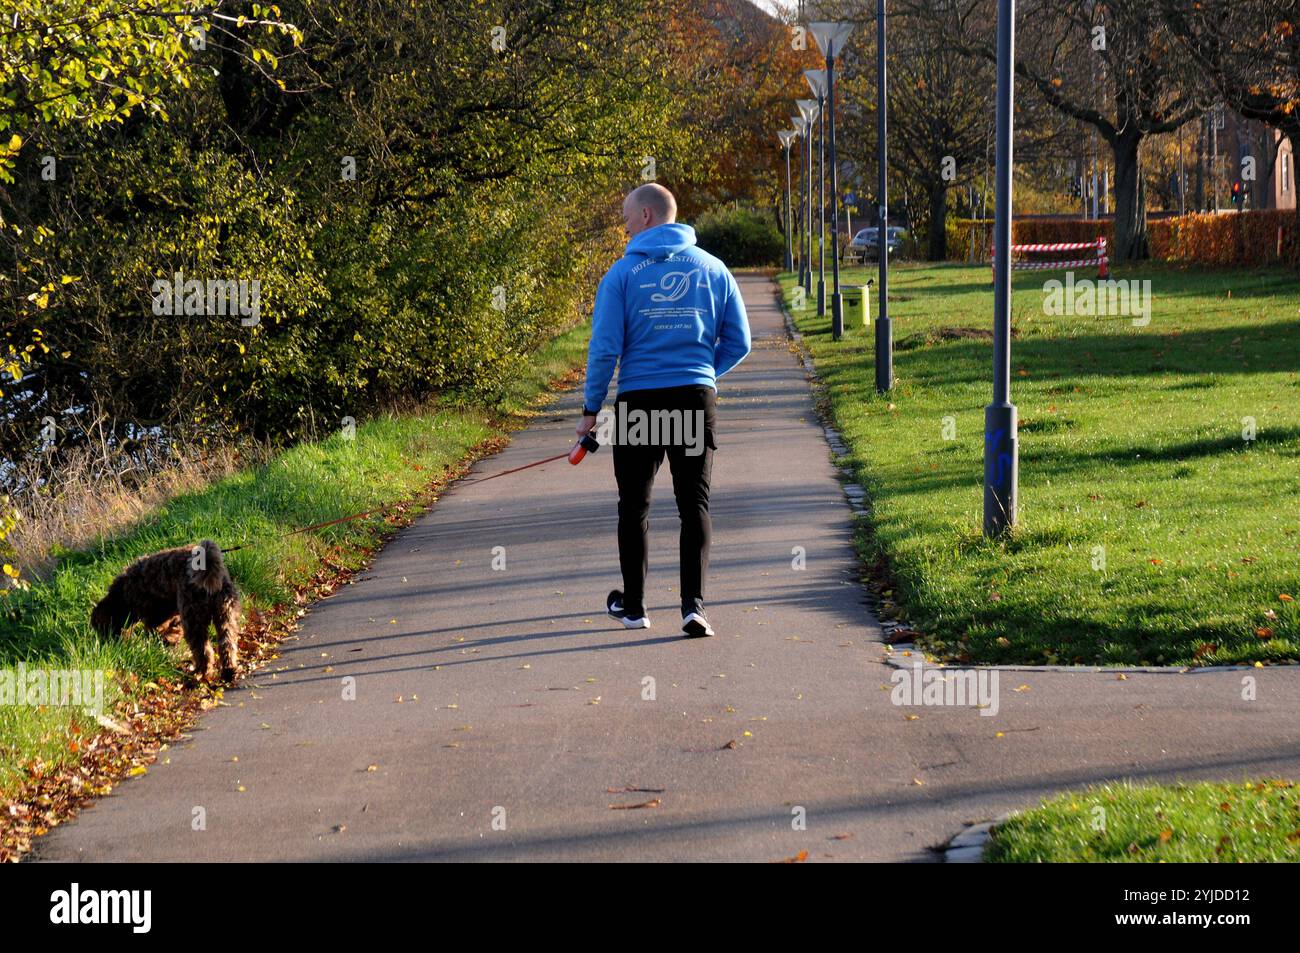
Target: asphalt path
x,y
499,715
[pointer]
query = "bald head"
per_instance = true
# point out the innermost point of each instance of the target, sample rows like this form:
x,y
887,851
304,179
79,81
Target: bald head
x,y
647,206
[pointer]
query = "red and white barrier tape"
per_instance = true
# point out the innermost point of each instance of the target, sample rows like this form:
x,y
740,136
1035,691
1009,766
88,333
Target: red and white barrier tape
x,y
1077,263
1060,246
1102,261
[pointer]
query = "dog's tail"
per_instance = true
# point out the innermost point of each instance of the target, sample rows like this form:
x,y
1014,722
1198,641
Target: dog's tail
x,y
207,569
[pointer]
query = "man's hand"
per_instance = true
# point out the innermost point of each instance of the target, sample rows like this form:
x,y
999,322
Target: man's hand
x,y
586,425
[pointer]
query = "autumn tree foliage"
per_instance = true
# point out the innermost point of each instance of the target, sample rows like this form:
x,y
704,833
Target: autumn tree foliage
x,y
1113,65
737,69
1250,52
423,191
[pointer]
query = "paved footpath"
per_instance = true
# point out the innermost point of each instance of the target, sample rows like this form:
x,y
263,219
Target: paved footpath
x,y
507,695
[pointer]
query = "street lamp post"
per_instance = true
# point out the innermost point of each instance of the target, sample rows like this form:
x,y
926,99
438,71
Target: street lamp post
x,y
787,137
802,128
808,109
817,83
1001,452
884,326
831,38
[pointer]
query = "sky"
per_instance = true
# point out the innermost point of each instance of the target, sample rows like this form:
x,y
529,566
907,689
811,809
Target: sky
x,y
774,6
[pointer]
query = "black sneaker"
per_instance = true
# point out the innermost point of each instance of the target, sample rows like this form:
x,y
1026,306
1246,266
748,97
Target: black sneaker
x,y
614,606
696,626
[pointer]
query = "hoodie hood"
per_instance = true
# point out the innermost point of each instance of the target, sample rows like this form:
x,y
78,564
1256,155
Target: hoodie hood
x,y
662,240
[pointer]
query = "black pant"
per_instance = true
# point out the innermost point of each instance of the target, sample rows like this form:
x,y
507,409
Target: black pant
x,y
637,457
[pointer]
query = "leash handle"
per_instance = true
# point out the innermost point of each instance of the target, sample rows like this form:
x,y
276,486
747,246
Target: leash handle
x,y
587,444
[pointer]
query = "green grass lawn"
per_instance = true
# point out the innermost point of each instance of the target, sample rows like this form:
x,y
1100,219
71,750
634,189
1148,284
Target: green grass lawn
x,y
391,459
1248,821
1151,531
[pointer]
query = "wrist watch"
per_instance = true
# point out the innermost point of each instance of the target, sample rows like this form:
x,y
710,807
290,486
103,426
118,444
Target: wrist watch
x,y
587,412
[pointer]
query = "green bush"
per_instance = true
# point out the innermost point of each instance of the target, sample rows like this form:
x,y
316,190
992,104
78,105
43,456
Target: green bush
x,y
742,237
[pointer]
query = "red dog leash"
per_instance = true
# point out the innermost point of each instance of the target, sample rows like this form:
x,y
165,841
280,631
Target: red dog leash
x,y
587,444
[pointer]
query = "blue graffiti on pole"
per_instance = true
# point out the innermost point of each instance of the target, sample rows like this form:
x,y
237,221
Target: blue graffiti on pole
x,y
1002,463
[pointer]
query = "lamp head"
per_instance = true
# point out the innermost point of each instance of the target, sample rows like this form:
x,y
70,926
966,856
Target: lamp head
x,y
831,36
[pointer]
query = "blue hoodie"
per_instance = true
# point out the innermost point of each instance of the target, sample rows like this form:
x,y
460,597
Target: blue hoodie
x,y
668,314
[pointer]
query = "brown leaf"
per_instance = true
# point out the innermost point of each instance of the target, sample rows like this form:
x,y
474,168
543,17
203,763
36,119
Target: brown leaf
x,y
653,802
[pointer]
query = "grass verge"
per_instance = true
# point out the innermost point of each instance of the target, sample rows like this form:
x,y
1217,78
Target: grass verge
x,y
53,757
1159,467
1248,821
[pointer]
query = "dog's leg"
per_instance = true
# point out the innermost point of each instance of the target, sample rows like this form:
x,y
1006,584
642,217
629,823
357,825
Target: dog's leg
x,y
195,621
229,622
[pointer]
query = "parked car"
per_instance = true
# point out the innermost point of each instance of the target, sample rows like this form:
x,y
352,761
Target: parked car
x,y
865,242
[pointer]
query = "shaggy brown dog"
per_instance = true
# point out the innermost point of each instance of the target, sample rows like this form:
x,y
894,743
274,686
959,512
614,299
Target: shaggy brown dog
x,y
190,583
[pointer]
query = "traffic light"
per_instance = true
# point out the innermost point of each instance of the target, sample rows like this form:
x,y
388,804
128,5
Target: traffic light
x,y
1236,194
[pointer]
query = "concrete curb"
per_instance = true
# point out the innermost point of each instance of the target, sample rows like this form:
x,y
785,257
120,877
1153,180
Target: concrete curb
x,y
968,845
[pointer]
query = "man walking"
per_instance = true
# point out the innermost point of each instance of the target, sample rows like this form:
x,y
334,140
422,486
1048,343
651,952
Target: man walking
x,y
670,317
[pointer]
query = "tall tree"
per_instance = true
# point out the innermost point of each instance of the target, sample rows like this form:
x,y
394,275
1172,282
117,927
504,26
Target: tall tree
x,y
1110,64
1250,52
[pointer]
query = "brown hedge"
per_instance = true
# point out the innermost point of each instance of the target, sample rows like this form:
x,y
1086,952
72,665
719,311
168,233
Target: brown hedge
x,y
1258,237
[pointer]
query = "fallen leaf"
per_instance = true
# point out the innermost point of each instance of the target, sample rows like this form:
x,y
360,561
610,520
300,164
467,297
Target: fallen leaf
x,y
653,802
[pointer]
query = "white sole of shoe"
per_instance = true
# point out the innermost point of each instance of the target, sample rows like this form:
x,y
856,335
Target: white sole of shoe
x,y
696,626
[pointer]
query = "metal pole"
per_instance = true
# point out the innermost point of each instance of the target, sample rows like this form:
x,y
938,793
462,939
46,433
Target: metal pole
x,y
807,278
1001,453
1214,156
837,300
1182,176
884,327
803,190
789,223
821,185
1093,184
